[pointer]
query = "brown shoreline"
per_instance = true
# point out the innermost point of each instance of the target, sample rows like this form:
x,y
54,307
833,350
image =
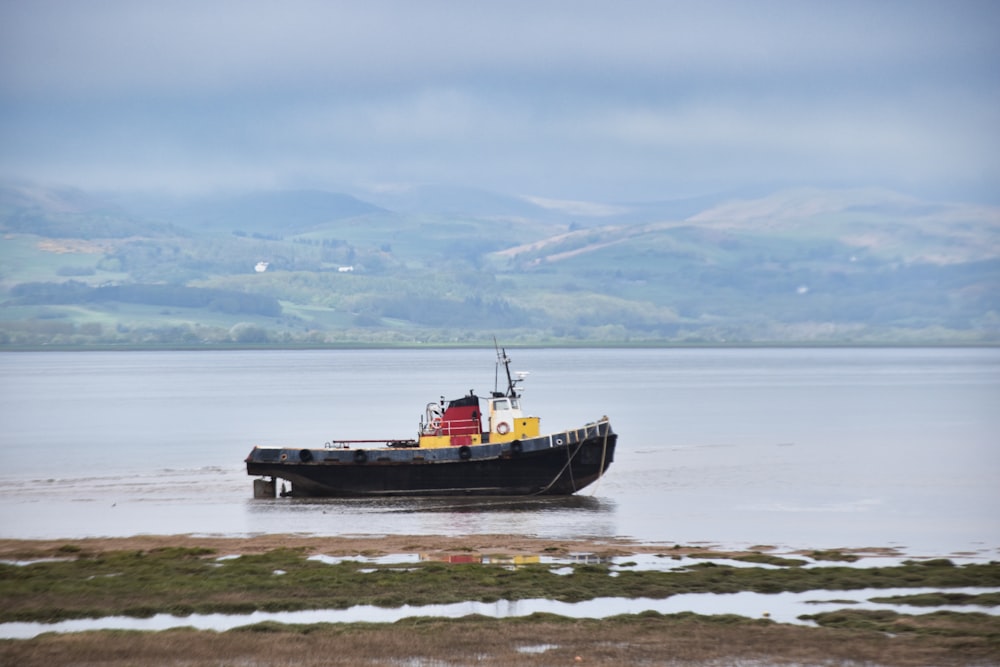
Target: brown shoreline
x,y
380,545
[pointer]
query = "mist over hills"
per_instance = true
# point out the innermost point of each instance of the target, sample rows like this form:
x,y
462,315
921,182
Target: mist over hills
x,y
272,213
440,264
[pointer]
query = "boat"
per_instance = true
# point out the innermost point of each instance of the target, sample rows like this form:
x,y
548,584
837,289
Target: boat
x,y
469,446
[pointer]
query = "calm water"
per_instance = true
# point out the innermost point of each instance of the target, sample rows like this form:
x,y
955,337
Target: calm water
x,y
793,448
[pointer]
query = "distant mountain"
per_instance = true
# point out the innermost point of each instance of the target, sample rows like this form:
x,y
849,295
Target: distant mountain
x,y
273,213
445,264
795,264
51,200
484,204
57,212
440,200
883,223
879,221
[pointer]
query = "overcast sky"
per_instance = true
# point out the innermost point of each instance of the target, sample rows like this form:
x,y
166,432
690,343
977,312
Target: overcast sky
x,y
588,100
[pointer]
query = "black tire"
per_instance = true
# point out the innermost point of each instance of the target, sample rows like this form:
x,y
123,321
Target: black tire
x,y
305,456
360,456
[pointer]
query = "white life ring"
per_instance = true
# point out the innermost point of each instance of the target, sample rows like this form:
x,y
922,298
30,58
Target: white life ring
x,y
503,428
436,423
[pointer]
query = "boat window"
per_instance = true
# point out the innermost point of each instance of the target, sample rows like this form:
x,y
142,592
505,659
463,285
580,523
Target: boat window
x,y
501,404
514,404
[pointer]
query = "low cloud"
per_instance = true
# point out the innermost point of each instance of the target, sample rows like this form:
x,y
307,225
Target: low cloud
x,y
594,101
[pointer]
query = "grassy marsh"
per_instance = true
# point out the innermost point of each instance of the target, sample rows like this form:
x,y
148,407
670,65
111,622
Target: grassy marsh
x,y
185,580
191,575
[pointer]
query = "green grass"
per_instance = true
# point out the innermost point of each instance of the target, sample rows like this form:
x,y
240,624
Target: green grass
x,y
834,555
130,316
182,581
940,623
943,598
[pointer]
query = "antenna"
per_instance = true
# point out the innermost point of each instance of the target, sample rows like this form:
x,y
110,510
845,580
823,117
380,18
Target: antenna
x,y
502,358
496,369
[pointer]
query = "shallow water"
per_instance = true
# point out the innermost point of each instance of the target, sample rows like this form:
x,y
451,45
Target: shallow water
x,y
779,607
796,448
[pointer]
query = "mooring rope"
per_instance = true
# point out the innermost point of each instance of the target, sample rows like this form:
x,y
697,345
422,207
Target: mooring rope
x,y
604,452
569,461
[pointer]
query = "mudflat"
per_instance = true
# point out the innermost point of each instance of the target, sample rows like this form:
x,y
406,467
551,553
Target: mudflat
x,y
163,573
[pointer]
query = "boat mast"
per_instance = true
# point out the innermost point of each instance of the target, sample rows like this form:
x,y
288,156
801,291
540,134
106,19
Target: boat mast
x,y
502,358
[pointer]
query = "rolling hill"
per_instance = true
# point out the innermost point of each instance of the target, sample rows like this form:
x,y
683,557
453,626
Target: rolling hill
x,y
446,265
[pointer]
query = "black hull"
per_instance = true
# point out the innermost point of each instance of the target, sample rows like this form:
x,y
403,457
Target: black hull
x,y
556,464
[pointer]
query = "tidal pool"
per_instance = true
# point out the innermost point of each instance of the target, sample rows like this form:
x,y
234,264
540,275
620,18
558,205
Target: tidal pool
x,y
780,607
